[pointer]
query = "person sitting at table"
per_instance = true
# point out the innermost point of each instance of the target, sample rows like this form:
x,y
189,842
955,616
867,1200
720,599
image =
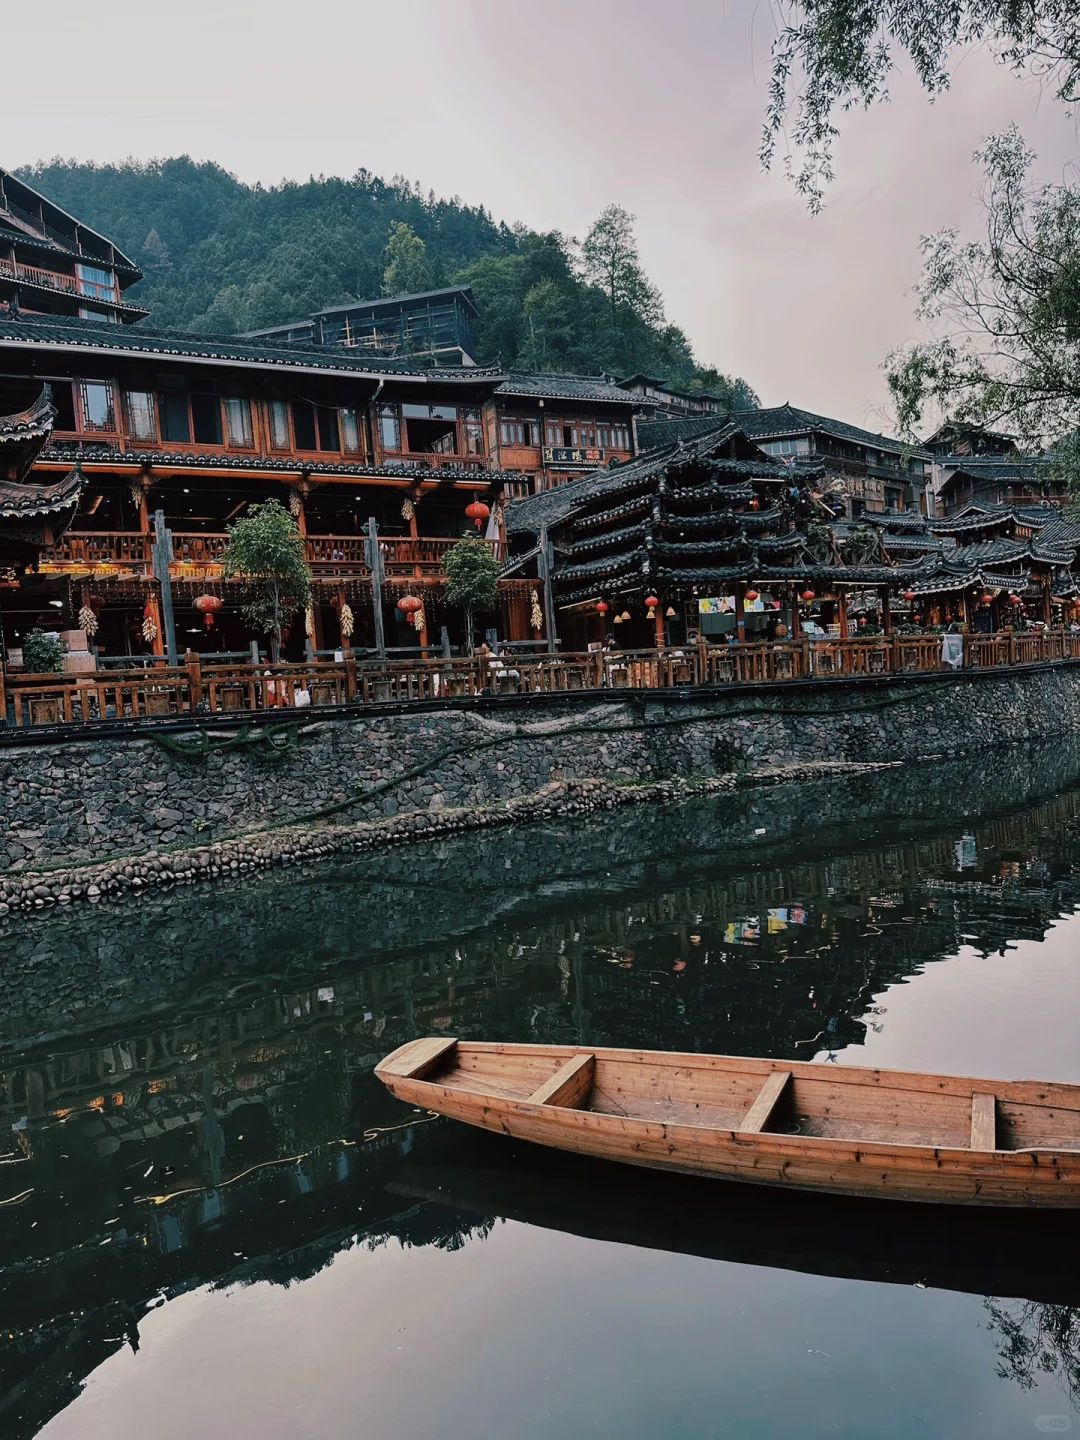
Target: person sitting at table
x,y
612,646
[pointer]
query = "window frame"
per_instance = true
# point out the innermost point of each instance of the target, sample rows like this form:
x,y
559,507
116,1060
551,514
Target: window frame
x,y
129,426
87,426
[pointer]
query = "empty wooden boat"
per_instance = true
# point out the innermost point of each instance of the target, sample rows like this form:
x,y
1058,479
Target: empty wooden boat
x,y
887,1133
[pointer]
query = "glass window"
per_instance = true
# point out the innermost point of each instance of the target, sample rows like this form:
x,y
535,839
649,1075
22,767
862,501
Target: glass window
x,y
64,400
279,424
175,420
98,411
139,411
350,431
389,428
328,428
553,432
238,422
474,436
303,416
95,282
206,419
102,316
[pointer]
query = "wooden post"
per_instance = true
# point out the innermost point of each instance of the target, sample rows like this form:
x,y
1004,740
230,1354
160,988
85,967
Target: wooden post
x,y
350,675
162,559
886,612
375,565
841,613
544,561
740,612
195,684
1046,609
658,620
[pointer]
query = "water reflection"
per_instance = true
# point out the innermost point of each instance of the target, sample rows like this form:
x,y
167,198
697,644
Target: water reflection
x,y
187,1084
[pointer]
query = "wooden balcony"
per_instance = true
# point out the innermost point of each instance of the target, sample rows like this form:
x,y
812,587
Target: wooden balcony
x,y
327,554
35,275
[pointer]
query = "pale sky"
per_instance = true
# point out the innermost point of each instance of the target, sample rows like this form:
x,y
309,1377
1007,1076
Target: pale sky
x,y
545,112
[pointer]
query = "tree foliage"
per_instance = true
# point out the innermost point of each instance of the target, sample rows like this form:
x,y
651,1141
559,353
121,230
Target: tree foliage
x,y
219,255
265,549
831,56
472,576
407,270
42,653
1008,308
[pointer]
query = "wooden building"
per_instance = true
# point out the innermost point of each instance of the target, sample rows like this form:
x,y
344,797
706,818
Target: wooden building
x,y
436,326
547,429
709,535
53,264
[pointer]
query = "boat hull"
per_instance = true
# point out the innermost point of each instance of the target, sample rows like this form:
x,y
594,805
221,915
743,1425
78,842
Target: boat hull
x,y
476,1084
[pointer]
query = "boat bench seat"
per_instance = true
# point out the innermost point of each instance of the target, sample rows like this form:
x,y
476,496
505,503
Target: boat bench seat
x,y
570,1086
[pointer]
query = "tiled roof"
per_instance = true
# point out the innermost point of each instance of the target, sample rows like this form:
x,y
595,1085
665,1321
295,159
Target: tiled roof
x,y
779,420
552,506
566,387
999,467
653,434
97,454
68,333
53,247
20,500
33,423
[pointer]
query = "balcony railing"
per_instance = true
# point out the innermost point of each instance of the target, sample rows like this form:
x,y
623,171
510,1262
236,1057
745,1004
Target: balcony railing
x,y
34,275
327,554
194,688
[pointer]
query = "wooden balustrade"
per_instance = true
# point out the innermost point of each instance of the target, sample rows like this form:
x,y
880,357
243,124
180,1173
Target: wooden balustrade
x,y
103,547
35,275
156,691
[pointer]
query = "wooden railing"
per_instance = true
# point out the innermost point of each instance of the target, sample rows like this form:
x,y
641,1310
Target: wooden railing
x,y
35,275
333,554
158,691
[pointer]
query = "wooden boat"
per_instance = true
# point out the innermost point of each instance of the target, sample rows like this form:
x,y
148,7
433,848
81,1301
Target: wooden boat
x,y
887,1133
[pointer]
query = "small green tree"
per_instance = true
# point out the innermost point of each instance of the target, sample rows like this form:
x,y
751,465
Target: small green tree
x,y
266,550
407,270
43,654
472,579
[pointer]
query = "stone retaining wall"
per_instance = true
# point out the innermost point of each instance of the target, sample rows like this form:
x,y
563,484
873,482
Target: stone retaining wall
x,y
92,799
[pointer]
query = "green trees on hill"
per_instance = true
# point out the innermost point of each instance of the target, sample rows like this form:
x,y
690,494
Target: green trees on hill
x,y
219,255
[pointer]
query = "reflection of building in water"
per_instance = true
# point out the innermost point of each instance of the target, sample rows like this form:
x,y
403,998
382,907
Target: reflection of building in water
x,y
226,1142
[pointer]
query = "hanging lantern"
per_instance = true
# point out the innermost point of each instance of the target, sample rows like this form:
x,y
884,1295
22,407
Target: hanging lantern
x,y
751,595
808,595
986,598
755,503
625,615
207,605
651,602
410,605
601,607
617,620
1014,599
671,612
477,512
907,595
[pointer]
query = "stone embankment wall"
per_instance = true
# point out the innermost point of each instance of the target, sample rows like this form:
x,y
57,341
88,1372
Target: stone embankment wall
x,y
88,800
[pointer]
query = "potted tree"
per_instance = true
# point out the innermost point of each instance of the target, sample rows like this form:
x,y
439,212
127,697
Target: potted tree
x,y
43,654
266,551
472,580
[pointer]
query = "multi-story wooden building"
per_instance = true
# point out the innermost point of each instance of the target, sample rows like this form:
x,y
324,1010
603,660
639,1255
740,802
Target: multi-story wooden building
x,y
658,399
436,326
53,264
975,466
545,429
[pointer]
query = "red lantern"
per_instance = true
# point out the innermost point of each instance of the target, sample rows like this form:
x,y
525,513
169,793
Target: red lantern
x,y
410,604
755,503
751,595
908,595
808,595
477,512
601,607
986,597
207,605
651,603
1014,599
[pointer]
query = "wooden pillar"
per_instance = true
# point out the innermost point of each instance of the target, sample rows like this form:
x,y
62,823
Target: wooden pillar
x,y
740,612
886,612
658,620
544,561
841,613
375,566
162,559
1046,607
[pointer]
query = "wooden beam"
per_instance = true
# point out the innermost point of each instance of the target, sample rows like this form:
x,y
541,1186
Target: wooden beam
x,y
983,1122
421,1057
569,1085
768,1097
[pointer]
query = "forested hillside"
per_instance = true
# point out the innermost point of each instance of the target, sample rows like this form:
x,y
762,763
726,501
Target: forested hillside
x,y
219,255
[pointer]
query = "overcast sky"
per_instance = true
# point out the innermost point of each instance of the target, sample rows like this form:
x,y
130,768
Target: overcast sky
x,y
545,112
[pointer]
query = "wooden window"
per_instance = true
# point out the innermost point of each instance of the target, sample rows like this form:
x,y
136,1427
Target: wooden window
x,y
238,423
97,408
603,436
140,420
553,432
349,421
472,432
620,437
389,427
518,430
280,438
